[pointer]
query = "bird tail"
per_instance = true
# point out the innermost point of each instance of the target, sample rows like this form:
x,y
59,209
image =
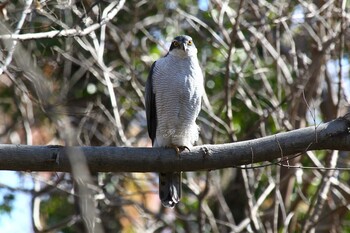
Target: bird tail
x,y
170,188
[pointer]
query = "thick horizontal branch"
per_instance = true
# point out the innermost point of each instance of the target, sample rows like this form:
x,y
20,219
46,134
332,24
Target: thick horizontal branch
x,y
332,135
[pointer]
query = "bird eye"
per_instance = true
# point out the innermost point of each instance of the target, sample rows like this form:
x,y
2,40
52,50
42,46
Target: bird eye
x,y
175,43
189,42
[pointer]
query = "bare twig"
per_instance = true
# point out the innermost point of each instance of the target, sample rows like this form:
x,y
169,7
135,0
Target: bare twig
x,y
12,44
254,217
315,210
117,6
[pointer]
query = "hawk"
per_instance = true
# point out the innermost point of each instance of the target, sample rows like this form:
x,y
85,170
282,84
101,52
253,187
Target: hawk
x,y
173,94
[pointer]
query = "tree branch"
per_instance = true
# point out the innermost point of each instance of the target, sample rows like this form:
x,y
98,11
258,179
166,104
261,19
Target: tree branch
x,y
331,135
113,8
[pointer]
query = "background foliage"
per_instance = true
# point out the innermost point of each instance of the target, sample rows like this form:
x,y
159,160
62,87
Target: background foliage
x,y
269,66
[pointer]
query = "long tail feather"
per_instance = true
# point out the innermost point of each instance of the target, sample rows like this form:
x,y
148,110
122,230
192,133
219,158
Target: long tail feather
x,y
170,188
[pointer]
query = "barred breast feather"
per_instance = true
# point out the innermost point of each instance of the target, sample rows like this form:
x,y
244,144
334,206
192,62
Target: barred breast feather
x,y
178,89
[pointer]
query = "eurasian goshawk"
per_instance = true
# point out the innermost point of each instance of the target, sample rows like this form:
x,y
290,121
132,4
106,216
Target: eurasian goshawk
x,y
173,100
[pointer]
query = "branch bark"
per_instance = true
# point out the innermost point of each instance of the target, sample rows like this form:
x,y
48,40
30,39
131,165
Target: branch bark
x,y
333,135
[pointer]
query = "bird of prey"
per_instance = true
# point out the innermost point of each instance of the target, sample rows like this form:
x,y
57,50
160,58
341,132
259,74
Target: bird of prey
x,y
174,89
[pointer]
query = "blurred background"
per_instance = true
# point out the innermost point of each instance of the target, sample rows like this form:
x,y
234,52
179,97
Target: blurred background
x,y
76,76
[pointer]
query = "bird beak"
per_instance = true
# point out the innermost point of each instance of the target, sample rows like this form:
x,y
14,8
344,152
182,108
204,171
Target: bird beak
x,y
183,46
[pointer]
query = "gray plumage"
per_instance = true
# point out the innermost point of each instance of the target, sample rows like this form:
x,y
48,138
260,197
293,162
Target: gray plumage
x,y
173,100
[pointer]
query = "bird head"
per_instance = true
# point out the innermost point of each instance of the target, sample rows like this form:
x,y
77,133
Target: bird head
x,y
183,46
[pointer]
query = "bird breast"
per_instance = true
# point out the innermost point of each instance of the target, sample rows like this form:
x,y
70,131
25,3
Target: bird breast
x,y
178,87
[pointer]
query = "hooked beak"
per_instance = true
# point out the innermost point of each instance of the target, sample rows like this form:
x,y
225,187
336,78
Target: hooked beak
x,y
183,46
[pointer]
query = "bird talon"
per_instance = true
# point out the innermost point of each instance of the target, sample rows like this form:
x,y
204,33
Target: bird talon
x,y
179,149
182,148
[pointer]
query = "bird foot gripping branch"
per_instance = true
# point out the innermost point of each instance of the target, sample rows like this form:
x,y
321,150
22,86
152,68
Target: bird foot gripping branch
x,y
179,149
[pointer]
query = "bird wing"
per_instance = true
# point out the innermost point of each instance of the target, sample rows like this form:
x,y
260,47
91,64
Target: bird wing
x,y
150,101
